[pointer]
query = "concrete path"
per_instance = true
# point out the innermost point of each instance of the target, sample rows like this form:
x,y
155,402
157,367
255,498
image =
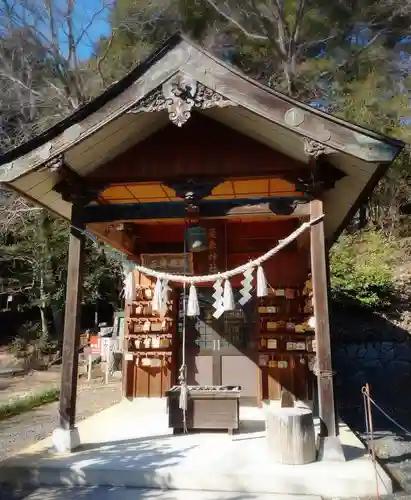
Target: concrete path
x,y
107,493
130,445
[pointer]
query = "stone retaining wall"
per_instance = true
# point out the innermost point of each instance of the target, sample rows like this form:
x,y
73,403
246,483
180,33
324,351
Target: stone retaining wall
x,y
370,349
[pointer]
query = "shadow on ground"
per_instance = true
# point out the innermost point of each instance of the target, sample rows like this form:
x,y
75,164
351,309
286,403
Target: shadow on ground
x,y
367,348
118,493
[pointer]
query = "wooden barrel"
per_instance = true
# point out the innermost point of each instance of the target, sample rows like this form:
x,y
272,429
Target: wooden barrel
x,y
290,434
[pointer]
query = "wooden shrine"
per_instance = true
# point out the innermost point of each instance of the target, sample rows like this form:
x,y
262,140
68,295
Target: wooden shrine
x,y
266,347
187,141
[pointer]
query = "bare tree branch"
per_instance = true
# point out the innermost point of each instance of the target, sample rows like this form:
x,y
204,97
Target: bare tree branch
x,y
236,23
102,58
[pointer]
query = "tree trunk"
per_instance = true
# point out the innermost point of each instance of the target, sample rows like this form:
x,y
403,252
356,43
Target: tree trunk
x,y
43,312
96,321
362,216
44,324
289,73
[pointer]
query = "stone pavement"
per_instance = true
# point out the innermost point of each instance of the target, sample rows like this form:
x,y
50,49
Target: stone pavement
x,y
109,493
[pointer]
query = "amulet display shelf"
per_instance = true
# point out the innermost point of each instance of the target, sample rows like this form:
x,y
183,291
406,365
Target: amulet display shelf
x,y
149,344
285,342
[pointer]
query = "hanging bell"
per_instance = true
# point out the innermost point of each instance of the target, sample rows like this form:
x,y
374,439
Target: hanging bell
x,y
196,239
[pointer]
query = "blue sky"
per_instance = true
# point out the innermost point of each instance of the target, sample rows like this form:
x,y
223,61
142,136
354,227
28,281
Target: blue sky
x,y
91,23
99,26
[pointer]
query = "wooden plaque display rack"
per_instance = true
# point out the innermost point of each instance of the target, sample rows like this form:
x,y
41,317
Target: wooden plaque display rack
x,y
285,340
150,343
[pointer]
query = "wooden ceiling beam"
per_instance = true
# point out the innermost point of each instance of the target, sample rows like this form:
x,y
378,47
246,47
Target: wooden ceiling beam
x,y
71,185
277,205
122,237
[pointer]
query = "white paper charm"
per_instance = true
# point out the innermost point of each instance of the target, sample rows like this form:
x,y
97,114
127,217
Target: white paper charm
x,y
157,297
193,308
129,289
164,298
218,299
160,297
262,288
247,285
228,299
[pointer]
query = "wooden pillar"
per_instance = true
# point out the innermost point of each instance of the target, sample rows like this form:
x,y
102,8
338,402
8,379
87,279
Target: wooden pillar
x,y
69,370
322,335
335,391
128,366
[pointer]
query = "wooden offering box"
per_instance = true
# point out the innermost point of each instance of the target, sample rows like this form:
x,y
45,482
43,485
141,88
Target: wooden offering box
x,y
208,407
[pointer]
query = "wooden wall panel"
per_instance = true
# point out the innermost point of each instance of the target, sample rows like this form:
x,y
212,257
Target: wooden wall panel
x,y
155,380
141,382
274,380
203,147
301,380
272,377
151,382
284,269
287,375
276,229
236,237
166,379
128,378
296,379
202,260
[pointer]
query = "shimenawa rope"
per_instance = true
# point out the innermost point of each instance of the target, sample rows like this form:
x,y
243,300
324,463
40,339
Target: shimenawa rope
x,y
233,272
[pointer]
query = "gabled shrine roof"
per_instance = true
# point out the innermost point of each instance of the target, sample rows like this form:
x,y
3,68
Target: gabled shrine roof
x,y
136,106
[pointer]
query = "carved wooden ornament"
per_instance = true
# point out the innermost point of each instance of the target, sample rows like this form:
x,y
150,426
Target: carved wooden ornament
x,y
179,96
55,164
315,149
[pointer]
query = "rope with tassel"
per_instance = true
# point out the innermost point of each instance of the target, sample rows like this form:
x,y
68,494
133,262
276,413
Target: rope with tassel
x,y
182,377
223,295
233,272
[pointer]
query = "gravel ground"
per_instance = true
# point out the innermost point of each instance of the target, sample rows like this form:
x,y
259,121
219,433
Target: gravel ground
x,y
20,386
393,450
23,430
394,453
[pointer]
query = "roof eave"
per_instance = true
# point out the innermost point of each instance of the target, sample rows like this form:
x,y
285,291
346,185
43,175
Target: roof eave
x,y
94,105
114,90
